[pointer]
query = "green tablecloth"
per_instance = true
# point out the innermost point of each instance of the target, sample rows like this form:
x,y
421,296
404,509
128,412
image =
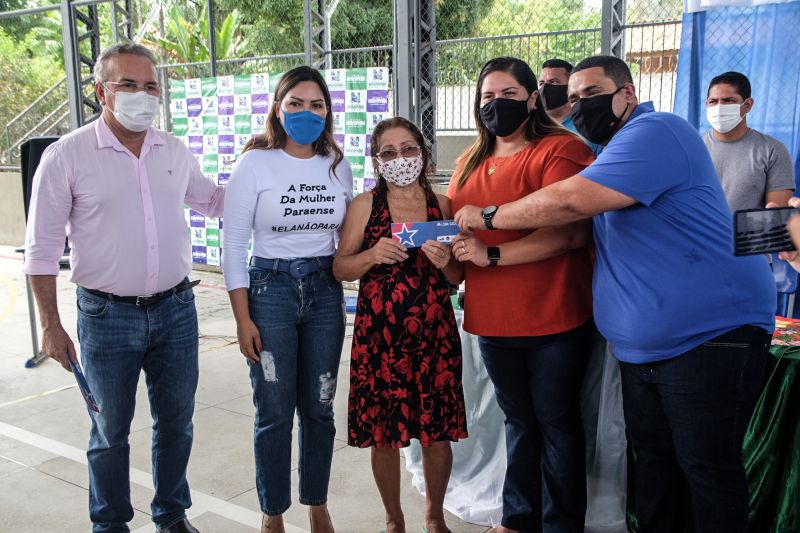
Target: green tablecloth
x,y
772,447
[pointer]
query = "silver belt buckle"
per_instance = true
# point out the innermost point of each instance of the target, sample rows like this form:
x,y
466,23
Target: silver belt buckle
x,y
142,300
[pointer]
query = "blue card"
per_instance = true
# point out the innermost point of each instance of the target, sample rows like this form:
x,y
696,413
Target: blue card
x,y
414,234
81,379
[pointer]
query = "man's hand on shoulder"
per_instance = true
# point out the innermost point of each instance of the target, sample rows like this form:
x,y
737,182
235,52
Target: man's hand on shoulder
x,y
57,345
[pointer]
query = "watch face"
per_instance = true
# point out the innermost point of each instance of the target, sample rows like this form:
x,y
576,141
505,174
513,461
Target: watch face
x,y
493,252
489,210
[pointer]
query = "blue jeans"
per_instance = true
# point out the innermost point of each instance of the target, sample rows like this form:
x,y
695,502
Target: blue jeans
x,y
537,382
301,323
686,418
117,341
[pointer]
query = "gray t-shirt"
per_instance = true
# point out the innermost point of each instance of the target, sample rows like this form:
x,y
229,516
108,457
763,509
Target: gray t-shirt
x,y
750,168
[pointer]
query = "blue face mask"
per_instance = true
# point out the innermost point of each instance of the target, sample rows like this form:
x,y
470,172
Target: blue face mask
x,y
304,127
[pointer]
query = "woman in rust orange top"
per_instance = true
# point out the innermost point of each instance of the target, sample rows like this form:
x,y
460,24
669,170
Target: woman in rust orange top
x,y
528,298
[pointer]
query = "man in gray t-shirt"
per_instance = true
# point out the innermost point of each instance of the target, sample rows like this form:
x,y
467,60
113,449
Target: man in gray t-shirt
x,y
754,168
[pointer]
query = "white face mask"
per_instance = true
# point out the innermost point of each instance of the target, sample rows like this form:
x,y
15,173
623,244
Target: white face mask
x,y
401,171
135,111
724,117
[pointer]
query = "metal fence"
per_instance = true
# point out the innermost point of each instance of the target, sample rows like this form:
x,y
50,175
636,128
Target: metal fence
x,y
652,53
650,46
464,33
373,56
47,115
460,60
652,37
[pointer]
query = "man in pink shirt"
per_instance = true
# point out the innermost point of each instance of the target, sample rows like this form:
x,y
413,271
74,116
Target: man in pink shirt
x,y
117,187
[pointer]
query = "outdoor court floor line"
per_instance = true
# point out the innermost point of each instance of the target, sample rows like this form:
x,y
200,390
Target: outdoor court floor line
x,y
40,395
201,503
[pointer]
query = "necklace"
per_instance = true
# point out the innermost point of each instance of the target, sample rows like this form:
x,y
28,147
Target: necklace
x,y
497,161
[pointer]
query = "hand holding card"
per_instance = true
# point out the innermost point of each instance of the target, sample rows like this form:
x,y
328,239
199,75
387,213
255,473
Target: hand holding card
x,y
438,253
414,234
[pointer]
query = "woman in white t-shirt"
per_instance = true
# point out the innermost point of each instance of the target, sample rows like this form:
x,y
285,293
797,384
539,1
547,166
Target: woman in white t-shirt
x,y
289,190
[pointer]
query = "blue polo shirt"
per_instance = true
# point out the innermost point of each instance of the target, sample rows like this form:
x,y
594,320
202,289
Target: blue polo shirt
x,y
665,278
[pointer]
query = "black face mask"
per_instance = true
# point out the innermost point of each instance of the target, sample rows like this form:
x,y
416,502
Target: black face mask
x,y
503,116
554,95
594,117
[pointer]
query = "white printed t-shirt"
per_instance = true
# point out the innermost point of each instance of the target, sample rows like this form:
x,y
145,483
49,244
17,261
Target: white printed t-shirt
x,y
292,208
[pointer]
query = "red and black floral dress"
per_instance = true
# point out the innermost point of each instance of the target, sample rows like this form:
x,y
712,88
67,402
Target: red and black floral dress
x,y
405,365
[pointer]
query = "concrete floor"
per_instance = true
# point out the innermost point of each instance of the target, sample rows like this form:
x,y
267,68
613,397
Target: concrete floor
x,y
44,429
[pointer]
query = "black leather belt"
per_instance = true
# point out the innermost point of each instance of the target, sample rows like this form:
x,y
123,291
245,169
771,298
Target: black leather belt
x,y
297,268
144,301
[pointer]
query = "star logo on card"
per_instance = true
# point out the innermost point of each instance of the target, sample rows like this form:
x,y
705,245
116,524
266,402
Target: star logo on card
x,y
405,235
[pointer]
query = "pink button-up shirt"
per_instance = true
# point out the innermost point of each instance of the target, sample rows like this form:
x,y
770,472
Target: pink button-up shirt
x,y
123,215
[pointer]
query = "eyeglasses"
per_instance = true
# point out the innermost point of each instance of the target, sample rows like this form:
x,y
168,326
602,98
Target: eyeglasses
x,y
406,151
152,89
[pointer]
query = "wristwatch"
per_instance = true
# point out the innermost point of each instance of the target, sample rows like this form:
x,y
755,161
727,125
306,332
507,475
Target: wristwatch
x,y
488,214
493,252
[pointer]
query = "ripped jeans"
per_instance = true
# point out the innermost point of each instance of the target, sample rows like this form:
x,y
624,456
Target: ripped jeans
x,y
302,323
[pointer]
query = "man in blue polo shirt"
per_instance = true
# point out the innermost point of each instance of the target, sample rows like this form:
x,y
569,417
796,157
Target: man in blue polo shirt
x,y
689,322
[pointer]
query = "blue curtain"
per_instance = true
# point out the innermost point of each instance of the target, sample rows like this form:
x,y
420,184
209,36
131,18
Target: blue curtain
x,y
763,43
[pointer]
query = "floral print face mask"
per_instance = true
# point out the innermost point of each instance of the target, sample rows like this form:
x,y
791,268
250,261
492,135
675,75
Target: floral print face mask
x,y
402,171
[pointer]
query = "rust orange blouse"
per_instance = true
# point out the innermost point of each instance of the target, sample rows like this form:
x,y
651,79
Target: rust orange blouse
x,y
532,299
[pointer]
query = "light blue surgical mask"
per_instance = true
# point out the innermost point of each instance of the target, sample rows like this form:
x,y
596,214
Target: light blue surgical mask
x,y
304,127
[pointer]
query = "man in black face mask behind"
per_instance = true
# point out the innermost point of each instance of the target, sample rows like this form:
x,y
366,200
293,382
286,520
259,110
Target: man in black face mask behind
x,y
689,322
553,86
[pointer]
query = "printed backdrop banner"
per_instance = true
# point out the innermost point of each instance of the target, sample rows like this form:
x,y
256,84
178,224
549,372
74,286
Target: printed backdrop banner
x,y
215,117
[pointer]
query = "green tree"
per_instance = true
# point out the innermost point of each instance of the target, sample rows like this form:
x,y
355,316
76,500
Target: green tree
x,y
276,26
456,19
514,17
539,29
25,78
46,38
39,33
270,26
185,36
361,23
17,27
